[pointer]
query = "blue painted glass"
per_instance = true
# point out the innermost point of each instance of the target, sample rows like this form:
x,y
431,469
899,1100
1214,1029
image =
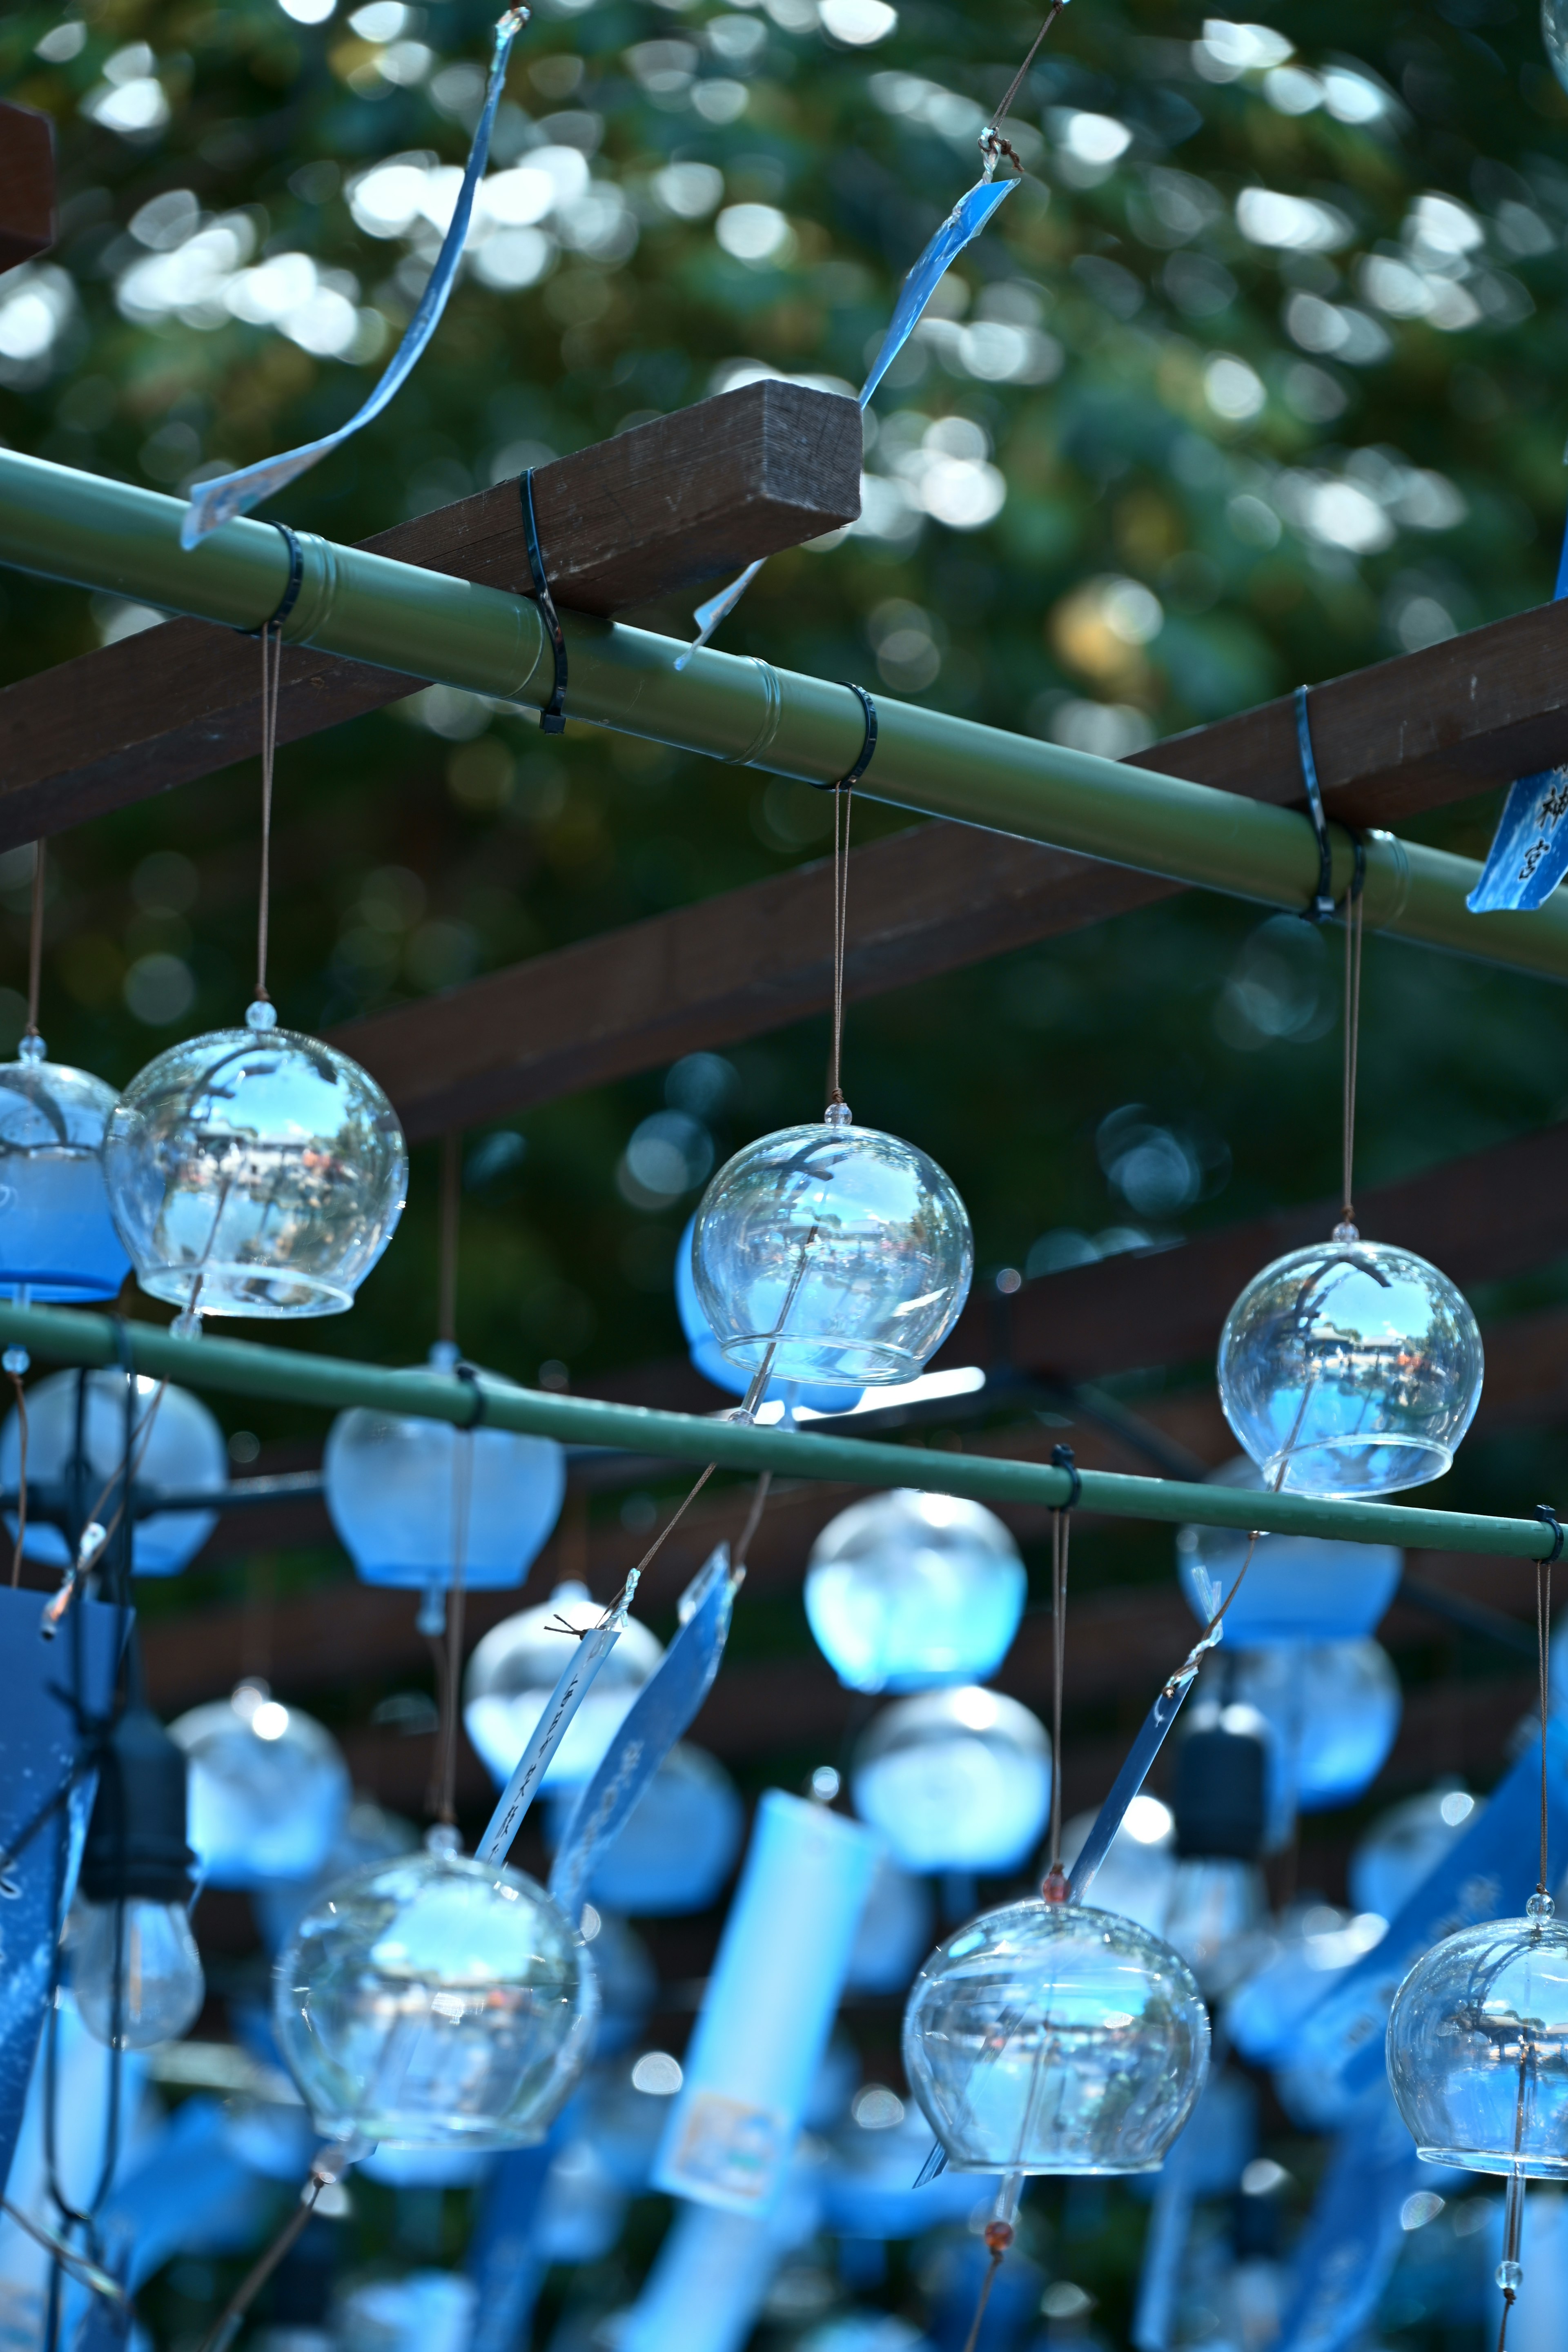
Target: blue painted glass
x,y
1296,1588
906,1591
1405,1845
677,1844
1332,1709
954,1779
268,1789
406,1496
183,1452
217,501
58,1240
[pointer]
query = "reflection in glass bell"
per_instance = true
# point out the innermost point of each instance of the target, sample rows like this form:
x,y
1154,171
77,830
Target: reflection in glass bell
x,y
1296,1589
1047,2037
955,1780
56,1237
403,1494
1554,34
1136,1877
1478,2047
368,1834
436,1999
1332,1709
517,1665
254,1171
1350,1367
832,1254
1406,1844
710,1359
907,1590
184,1453
270,1790
677,1844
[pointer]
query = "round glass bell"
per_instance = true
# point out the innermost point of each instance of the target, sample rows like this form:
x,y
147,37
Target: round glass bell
x,y
908,1590
435,2001
1350,1367
406,1494
268,1790
1406,1844
1332,1710
1047,2037
56,1237
254,1171
955,1780
677,1844
76,1445
1296,1588
710,1359
517,1665
832,1254
1478,2047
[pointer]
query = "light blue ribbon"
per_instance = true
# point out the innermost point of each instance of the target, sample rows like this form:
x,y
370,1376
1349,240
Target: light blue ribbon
x,y
659,1714
961,226
217,502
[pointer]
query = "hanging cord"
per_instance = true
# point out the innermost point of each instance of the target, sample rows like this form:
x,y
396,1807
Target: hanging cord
x,y
1321,910
327,2167
1347,1231
35,939
451,1212
998,2238
1061,1459
271,679
96,1537
842,791
993,146
447,1644
753,1521
21,1479
1545,1512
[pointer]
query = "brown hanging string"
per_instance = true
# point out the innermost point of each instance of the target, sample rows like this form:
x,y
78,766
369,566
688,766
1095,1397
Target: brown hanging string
x,y
21,1480
1353,1044
998,2238
35,939
844,794
992,143
226,2328
446,1647
125,1476
1545,1512
753,1521
1061,1459
271,679
451,1209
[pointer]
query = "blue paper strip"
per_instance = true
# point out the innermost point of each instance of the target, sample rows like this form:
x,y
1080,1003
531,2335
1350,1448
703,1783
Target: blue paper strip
x,y
217,502
1352,2237
659,1714
1489,1875
961,226
1529,855
504,2263
44,1801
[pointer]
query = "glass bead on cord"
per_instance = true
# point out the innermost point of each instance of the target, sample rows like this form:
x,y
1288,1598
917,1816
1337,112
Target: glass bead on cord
x,y
1350,1368
906,1590
1048,2037
832,1254
1478,2047
434,2001
254,1171
57,1241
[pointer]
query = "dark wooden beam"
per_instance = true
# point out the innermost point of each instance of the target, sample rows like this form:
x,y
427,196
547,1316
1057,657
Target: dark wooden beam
x,y
27,185
655,510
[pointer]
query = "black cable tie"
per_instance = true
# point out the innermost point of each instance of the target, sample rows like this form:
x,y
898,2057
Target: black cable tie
x,y
1063,1458
553,718
290,596
469,1374
1548,1516
847,781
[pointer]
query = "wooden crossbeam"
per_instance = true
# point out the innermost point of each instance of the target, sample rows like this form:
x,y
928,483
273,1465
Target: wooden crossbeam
x,y
1412,734
652,512
27,185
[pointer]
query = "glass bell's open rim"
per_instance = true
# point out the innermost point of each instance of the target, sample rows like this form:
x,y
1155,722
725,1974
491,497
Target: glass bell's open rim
x,y
1434,1460
221,1285
856,1363
1104,2171
1503,2165
456,2136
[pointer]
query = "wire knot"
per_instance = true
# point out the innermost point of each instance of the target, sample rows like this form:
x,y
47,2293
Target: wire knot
x,y
1062,1458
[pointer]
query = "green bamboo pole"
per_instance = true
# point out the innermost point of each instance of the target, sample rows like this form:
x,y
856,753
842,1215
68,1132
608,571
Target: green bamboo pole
x,y
103,534
244,1369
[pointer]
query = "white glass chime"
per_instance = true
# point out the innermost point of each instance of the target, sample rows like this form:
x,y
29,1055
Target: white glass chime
x,y
176,1447
954,1779
907,1590
516,1666
268,1789
254,1171
417,1503
57,1241
1048,2037
434,2001
1296,1588
1350,1368
1332,1711
1406,1844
